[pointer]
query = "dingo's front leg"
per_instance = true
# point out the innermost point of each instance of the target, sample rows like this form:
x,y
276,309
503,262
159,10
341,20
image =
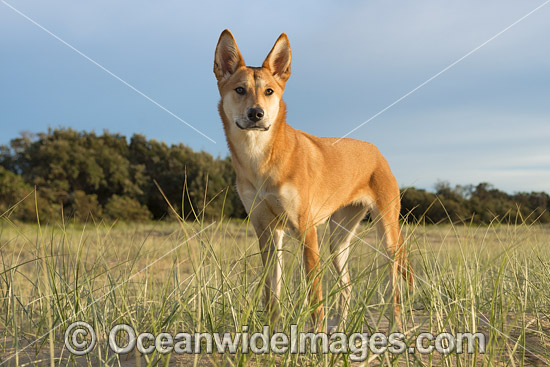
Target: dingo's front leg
x,y
312,269
271,240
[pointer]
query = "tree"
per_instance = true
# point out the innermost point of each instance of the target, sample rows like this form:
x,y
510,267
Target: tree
x,y
82,174
126,209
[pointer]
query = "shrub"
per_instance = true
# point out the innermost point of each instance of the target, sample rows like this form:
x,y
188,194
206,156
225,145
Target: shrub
x,y
126,209
84,206
13,189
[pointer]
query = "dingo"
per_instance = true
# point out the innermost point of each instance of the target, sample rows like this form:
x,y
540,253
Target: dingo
x,y
288,179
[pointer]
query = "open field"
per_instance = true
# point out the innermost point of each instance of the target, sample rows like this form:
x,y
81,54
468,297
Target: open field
x,y
208,277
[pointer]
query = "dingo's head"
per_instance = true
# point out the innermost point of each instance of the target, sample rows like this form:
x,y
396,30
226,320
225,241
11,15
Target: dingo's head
x,y
251,96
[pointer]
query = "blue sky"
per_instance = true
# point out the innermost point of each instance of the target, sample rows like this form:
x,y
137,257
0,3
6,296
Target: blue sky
x,y
485,119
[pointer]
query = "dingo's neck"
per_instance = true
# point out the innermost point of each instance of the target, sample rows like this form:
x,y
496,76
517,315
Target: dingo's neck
x,y
254,151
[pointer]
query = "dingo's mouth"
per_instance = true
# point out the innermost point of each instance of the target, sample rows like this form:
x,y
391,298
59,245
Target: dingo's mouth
x,y
253,127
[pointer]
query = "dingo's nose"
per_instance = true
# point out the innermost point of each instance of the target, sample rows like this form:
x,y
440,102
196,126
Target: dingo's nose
x,y
255,114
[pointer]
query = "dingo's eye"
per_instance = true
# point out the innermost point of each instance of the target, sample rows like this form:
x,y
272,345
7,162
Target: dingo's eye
x,y
240,90
268,91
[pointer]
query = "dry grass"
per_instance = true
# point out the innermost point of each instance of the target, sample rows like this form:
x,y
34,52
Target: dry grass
x,y
208,277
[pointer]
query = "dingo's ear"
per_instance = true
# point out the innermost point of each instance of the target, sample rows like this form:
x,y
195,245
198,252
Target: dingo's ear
x,y
278,60
227,58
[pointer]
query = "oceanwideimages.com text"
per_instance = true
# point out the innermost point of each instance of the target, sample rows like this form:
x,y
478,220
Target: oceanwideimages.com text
x,y
80,339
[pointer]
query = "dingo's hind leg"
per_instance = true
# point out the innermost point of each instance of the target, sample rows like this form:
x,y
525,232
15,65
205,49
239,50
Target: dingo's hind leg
x,y
343,224
385,213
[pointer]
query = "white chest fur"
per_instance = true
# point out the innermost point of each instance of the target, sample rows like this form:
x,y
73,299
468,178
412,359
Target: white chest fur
x,y
255,181
263,199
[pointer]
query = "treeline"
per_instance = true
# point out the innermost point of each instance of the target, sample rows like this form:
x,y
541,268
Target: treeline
x,y
87,176
480,204
84,175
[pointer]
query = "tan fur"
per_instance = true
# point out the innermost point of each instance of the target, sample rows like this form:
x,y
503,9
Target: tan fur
x,y
288,179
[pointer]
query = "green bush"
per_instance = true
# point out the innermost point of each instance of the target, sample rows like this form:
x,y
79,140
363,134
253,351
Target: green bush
x,y
126,209
85,206
16,197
